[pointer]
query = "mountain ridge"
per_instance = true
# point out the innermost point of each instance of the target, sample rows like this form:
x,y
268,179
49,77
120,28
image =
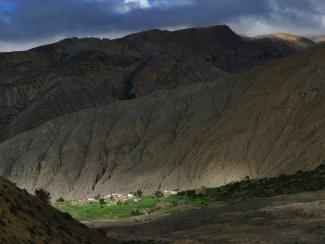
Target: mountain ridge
x,y
73,74
299,43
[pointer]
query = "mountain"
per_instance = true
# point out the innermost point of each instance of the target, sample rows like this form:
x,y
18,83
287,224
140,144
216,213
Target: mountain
x,y
261,122
320,40
25,219
49,81
298,43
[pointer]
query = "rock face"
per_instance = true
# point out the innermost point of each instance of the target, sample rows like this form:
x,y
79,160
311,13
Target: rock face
x,y
261,122
46,82
25,219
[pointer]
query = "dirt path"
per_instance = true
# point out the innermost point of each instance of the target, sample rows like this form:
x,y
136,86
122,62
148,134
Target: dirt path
x,y
287,219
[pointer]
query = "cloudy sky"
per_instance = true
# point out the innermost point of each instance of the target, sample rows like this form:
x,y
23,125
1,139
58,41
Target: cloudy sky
x,y
28,23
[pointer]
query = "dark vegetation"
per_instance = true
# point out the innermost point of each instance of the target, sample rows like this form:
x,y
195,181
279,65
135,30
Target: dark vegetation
x,y
100,200
60,199
159,194
138,193
267,187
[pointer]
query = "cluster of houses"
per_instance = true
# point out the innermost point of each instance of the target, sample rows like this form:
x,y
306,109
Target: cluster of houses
x,y
118,197
114,198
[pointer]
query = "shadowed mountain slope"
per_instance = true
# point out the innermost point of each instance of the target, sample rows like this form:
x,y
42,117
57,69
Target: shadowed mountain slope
x,y
74,74
25,219
261,122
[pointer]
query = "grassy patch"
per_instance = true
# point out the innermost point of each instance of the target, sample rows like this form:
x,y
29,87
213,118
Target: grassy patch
x,y
92,210
187,200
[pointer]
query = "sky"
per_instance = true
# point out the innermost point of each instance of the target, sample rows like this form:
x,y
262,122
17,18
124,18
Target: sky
x,y
28,23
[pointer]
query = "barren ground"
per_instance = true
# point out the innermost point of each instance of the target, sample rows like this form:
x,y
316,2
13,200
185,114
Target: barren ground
x,y
298,218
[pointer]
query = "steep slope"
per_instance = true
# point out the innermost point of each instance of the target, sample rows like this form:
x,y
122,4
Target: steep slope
x,y
298,43
25,219
262,122
57,79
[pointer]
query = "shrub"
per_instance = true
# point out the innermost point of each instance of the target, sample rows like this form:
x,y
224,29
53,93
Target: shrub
x,y
159,194
43,195
203,203
174,203
188,193
136,212
60,199
191,193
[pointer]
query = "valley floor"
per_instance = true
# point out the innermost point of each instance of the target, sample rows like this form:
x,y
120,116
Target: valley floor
x,y
286,219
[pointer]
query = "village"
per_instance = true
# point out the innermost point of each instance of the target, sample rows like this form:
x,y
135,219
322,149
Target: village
x,y
117,198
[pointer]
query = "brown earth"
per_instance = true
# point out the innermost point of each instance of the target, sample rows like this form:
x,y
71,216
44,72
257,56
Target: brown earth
x,y
291,219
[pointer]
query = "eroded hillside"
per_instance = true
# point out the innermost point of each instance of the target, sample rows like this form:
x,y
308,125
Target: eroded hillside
x,y
262,122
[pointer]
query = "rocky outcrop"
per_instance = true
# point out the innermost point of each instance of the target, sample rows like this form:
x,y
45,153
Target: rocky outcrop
x,y
262,122
49,81
25,219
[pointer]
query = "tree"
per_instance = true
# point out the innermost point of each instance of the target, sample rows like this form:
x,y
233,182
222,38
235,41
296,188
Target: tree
x,y
159,194
136,212
43,195
139,193
100,200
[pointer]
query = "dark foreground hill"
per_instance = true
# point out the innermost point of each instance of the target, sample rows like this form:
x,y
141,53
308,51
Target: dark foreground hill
x,y
25,219
262,122
74,74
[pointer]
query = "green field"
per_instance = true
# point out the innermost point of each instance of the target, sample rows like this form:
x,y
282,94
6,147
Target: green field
x,y
237,191
92,210
148,205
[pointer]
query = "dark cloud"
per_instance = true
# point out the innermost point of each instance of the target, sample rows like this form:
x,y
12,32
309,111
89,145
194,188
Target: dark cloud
x,y
36,21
